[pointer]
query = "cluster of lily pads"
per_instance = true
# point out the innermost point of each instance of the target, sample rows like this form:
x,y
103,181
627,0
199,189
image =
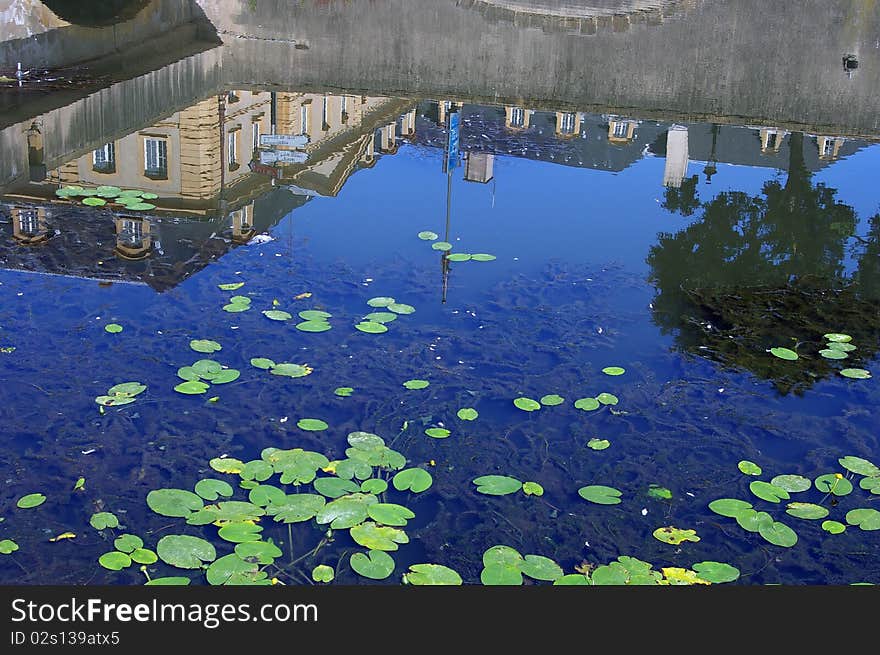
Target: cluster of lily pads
x,y
445,247
130,199
375,322
285,369
121,394
586,404
837,347
201,374
313,320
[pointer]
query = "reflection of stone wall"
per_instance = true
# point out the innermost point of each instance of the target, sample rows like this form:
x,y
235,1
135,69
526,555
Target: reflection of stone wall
x,y
23,18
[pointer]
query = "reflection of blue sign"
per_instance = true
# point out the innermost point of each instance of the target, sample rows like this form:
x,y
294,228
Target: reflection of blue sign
x,y
452,159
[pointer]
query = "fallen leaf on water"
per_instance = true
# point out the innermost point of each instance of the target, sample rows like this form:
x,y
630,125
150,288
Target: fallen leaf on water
x,y
301,296
63,535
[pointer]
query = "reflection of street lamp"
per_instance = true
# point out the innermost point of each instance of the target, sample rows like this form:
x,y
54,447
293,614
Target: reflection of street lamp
x,y
710,168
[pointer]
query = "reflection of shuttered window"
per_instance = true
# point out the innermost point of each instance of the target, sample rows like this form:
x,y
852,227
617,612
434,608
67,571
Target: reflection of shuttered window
x,y
132,232
29,222
155,157
255,128
566,123
828,148
304,119
104,158
232,155
620,129
517,117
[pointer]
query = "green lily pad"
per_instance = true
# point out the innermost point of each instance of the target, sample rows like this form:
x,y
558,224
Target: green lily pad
x,y
866,519
598,444
143,556
113,401
103,520
871,484
140,206
228,511
432,574
170,581
185,551
343,392
296,466
833,483
390,514
607,398
458,257
586,404
378,537
527,404
232,570
767,491
716,572
752,521
375,564
600,494
260,552
443,246
675,536
572,579
501,576
264,495
532,489
497,485
235,307
323,573
128,543
381,301
806,510
146,195
551,400
370,327
277,314
353,468
225,376
205,345
93,201
482,257
539,567
178,503
661,493
467,414
416,480
114,560
437,433
188,373
227,465
240,532
837,337
256,469
381,317
427,235
314,315
30,501
297,508
347,511
841,347
778,534
113,328
311,424
401,308
833,527
191,387
855,373
416,384
127,389
784,353
289,370
613,370
7,547
313,326
501,555
749,468
335,487
374,486
833,354
731,507
231,286
792,483
857,465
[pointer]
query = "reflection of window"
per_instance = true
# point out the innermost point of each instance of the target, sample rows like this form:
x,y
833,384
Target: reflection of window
x,y
132,233
231,154
324,125
828,147
771,140
620,129
29,222
304,119
231,97
566,123
343,108
255,127
517,117
104,159
156,158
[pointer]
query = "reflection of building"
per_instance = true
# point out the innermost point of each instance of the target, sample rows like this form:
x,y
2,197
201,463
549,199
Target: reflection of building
x,y
478,167
676,156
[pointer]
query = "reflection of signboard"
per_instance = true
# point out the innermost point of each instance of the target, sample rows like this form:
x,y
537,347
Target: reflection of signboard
x,y
263,169
282,157
289,140
452,159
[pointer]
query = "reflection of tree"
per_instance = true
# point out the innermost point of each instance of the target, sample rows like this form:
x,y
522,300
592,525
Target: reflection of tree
x,y
758,271
682,200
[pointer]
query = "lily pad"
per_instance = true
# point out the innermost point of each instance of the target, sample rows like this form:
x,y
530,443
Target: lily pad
x,y
178,503
427,235
532,489
240,532
401,308
227,465
833,483
313,326
113,328
353,468
378,537
235,307
381,317
390,514
103,520
767,491
497,485
467,414
866,519
784,353
749,468
335,487
381,301
207,368
371,327
572,579
833,354
264,495
416,480
607,398
613,370
551,400
232,570
501,555
256,469
661,493
416,384
127,389
375,564
277,314
170,581
597,493
205,345
143,556
93,201
779,534
374,486
443,246
539,567
598,444
260,552
857,465
185,551
114,560
716,572
30,501
343,392
314,315
871,484
140,206
842,347
311,424
289,370
128,543
7,547
323,573
431,574
752,521
347,511
806,510
191,387
837,337
586,404
482,257
501,576
675,536
297,508
527,404
792,483
437,433
225,376
855,373
231,286
731,507
459,257
833,527
114,400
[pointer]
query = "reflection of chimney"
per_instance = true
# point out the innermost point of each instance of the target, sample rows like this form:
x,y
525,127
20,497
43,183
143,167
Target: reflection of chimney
x,y
478,167
676,156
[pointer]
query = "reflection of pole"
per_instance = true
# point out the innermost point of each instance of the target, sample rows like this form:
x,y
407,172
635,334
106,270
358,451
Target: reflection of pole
x,y
444,256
